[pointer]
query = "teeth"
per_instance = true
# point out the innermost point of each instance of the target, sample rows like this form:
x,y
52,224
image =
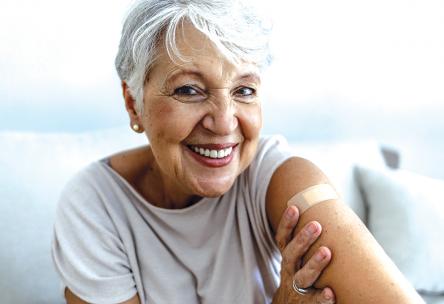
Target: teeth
x,y
213,153
228,151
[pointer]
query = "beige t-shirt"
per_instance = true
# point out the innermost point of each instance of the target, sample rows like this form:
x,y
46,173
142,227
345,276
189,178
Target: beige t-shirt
x,y
110,243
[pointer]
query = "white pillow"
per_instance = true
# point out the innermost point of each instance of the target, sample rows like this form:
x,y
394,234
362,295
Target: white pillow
x,y
406,216
33,169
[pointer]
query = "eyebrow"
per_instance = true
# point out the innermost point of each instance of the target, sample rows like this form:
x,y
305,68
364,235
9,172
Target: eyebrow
x,y
251,75
181,72
171,77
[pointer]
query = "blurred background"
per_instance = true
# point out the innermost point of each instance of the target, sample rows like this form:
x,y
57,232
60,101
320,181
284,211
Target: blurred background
x,y
343,70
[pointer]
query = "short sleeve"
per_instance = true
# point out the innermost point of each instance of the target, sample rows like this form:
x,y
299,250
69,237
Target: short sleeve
x,y
86,249
272,152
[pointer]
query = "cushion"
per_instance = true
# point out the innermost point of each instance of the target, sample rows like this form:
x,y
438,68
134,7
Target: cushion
x,y
406,216
34,168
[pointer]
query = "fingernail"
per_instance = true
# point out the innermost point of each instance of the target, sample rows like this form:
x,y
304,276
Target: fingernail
x,y
319,256
327,294
290,213
312,228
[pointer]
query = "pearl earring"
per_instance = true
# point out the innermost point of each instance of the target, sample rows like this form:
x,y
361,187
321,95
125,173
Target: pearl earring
x,y
136,127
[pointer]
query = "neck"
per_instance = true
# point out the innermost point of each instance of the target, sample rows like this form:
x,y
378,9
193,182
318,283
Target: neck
x,y
162,191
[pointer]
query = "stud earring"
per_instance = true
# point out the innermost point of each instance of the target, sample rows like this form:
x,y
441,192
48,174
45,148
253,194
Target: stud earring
x,y
136,127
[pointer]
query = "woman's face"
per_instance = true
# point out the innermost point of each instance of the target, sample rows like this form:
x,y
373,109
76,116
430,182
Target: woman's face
x,y
202,116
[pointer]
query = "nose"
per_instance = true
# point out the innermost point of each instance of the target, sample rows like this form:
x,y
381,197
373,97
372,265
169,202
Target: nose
x,y
221,117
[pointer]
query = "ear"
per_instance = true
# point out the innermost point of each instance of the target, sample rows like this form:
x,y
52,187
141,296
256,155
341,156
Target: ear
x,y
130,105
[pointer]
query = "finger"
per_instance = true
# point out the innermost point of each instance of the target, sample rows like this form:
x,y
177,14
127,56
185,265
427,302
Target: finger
x,y
325,296
309,273
299,245
318,296
286,226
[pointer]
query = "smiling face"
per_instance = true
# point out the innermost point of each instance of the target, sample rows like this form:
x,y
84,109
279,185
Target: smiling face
x,y
202,117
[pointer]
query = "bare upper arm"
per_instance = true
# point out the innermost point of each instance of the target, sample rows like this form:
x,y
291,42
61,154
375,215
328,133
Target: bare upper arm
x,y
371,275
71,298
293,176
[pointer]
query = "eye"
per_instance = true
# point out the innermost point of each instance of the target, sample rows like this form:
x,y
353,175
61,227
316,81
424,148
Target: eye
x,y
245,91
188,93
245,94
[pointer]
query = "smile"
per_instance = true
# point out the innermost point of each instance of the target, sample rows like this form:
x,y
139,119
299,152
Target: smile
x,y
212,153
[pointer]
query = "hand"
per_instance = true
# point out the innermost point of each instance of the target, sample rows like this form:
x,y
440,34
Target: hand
x,y
292,250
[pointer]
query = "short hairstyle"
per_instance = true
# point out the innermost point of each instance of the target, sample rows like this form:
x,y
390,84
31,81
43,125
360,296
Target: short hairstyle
x,y
233,26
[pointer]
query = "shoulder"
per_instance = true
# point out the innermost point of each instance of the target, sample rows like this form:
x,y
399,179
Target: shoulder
x,y
291,177
271,152
86,192
94,187
82,182
271,145
81,194
131,163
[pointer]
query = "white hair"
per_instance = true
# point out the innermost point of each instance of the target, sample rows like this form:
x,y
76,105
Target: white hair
x,y
231,25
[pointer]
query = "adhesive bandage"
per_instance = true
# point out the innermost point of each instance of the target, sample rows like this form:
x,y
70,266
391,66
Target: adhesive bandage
x,y
312,196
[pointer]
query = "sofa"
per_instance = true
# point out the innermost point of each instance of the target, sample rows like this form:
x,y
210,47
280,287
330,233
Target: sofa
x,y
35,166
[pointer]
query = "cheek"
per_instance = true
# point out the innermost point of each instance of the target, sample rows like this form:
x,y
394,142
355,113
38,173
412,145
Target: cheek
x,y
250,119
170,122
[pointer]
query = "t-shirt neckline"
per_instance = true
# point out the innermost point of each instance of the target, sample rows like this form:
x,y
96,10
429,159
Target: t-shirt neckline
x,y
104,163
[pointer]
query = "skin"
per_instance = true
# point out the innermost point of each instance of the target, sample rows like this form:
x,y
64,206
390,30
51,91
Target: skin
x,y
203,101
359,271
208,100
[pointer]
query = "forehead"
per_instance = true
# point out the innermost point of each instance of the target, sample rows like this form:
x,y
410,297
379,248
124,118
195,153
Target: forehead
x,y
198,56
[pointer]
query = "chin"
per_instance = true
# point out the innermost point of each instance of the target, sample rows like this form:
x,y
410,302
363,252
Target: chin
x,y
209,189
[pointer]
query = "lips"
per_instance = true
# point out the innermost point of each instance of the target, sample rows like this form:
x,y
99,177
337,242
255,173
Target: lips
x,y
214,146
212,155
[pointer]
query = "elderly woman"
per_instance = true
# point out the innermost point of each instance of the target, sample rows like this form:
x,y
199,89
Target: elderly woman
x,y
200,214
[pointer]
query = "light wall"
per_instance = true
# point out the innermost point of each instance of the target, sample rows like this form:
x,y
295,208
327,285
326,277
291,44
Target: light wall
x,y
343,69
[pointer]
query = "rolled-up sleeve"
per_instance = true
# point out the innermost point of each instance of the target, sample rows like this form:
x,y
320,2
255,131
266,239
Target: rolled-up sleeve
x,y
87,251
272,152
